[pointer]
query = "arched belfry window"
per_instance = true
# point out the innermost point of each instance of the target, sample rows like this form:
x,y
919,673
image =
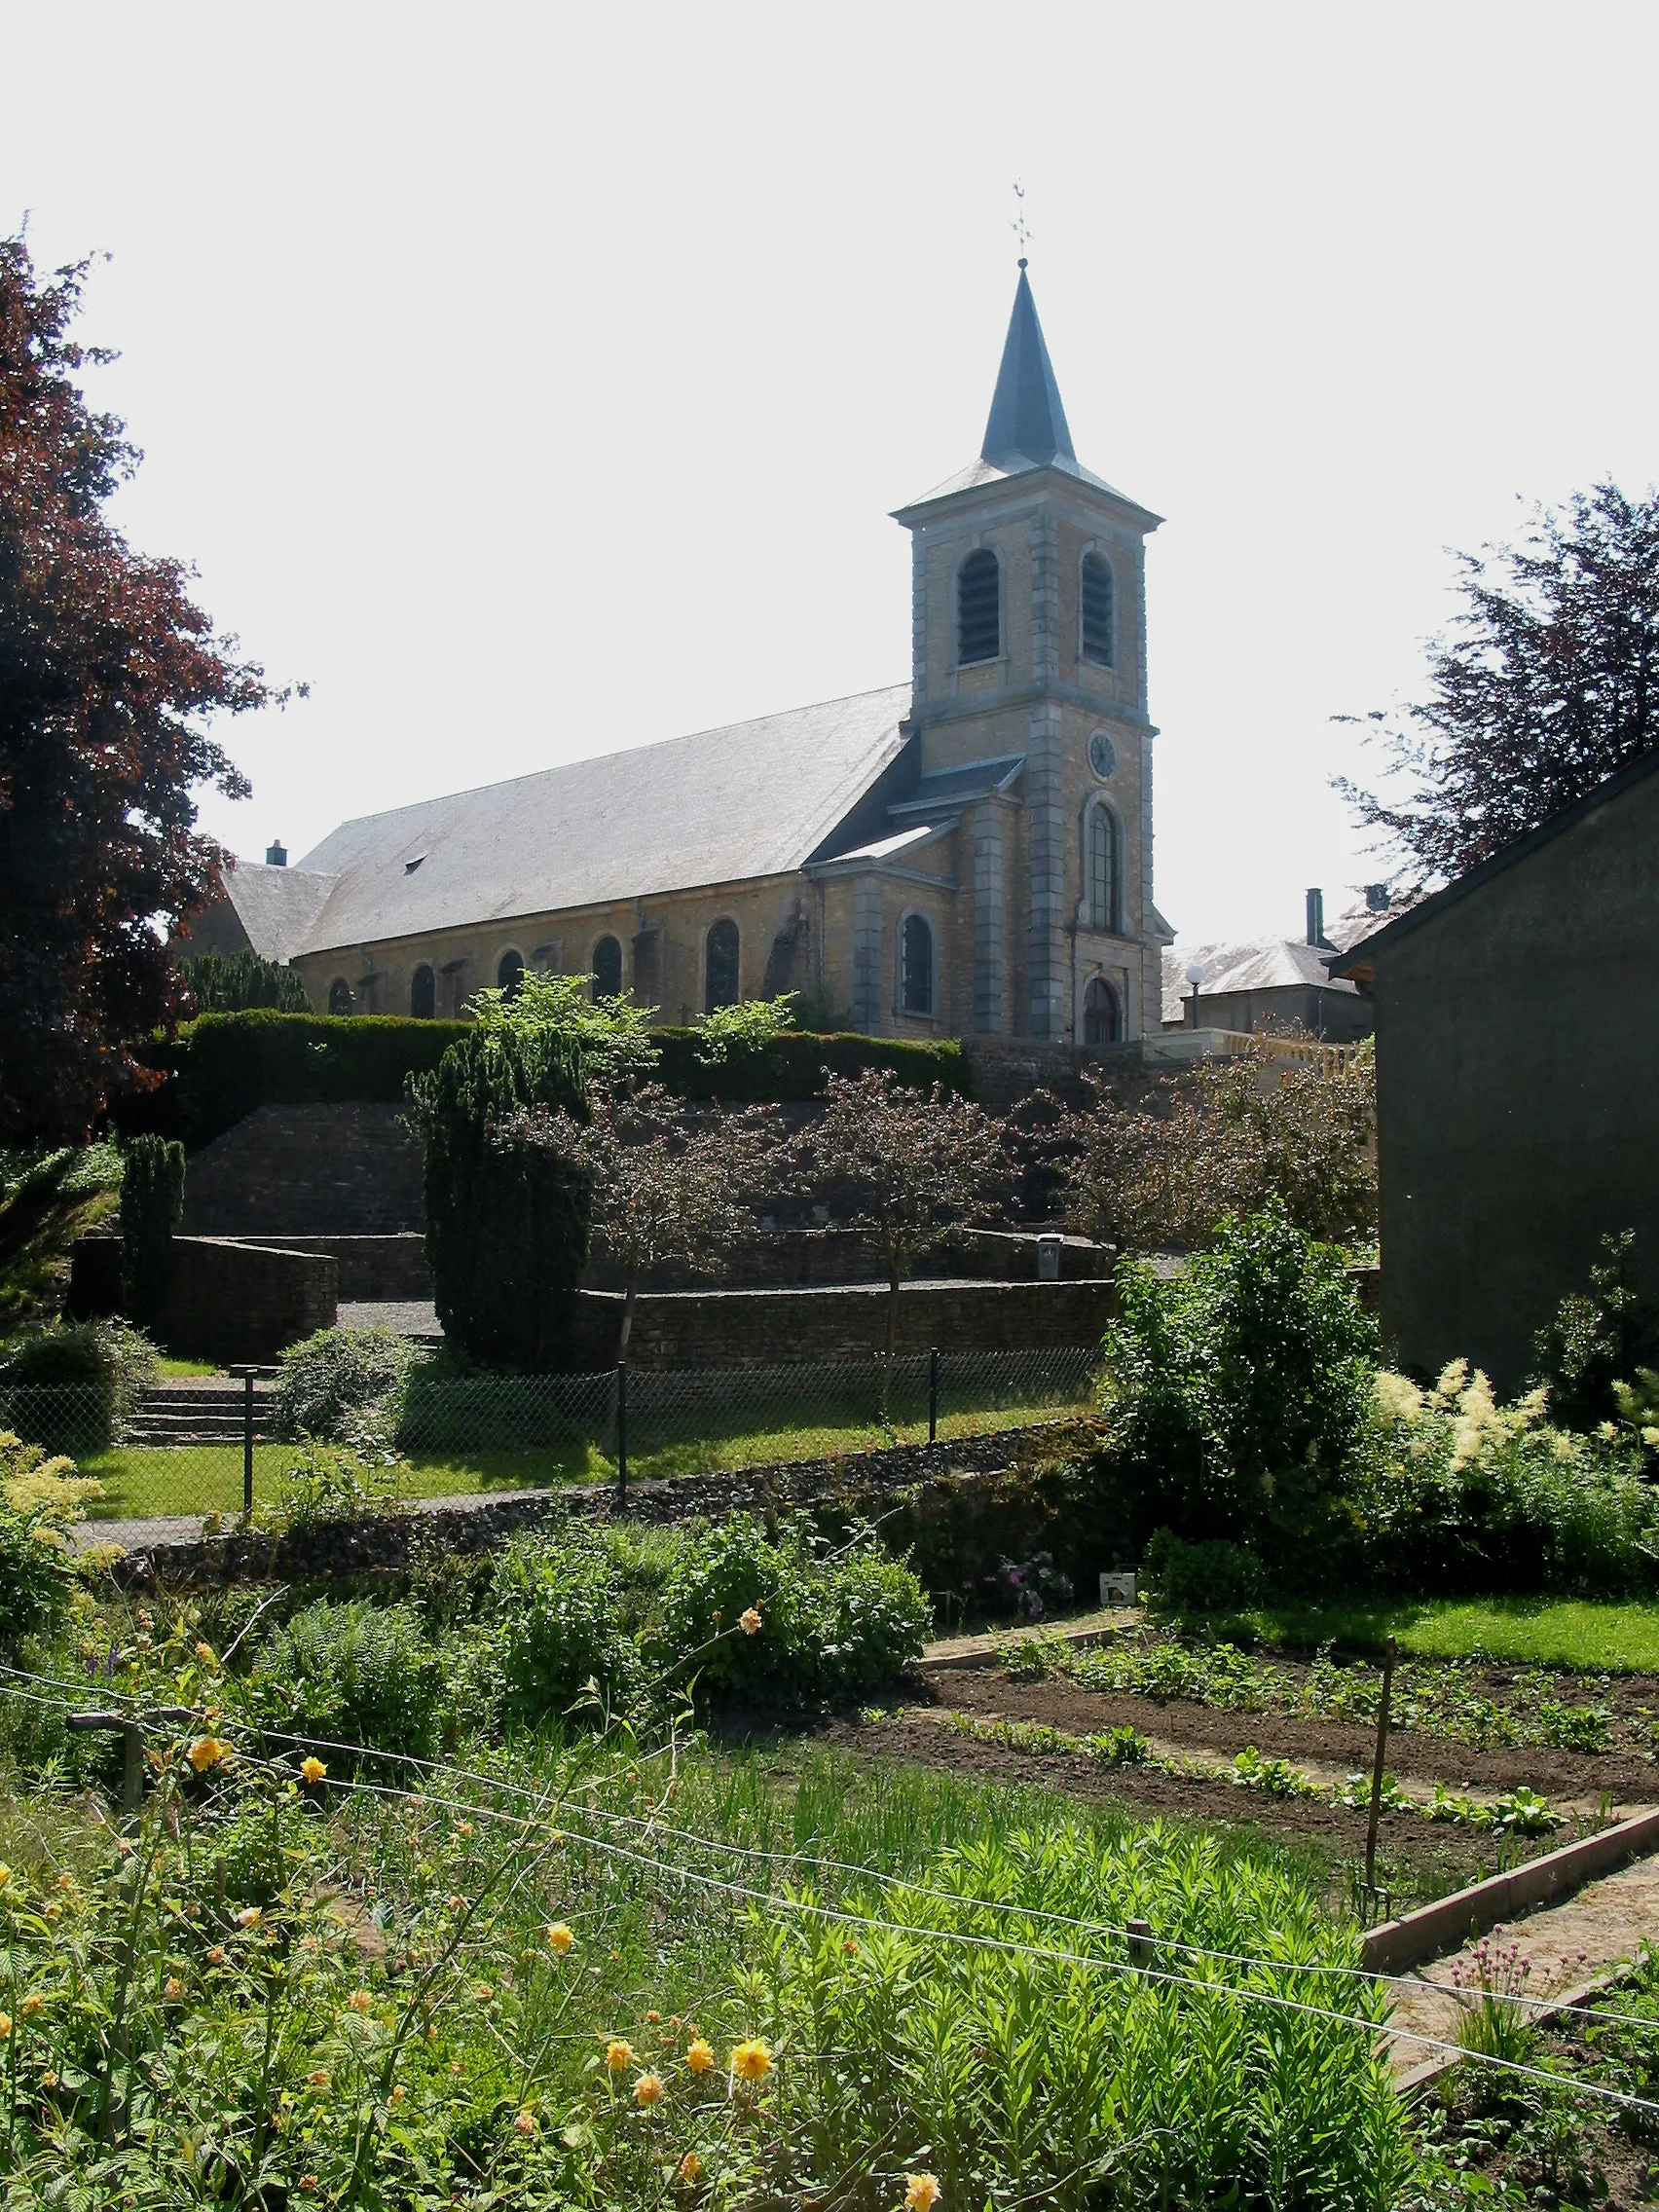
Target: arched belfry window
x,y
339,996
979,609
423,993
608,968
917,965
720,967
1103,863
1102,1015
510,972
1097,595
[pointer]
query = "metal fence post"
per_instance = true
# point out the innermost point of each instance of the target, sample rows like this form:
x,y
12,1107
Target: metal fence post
x,y
247,1443
932,1396
622,1432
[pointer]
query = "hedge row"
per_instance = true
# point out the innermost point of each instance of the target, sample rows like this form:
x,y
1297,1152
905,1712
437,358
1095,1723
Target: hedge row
x,y
222,1066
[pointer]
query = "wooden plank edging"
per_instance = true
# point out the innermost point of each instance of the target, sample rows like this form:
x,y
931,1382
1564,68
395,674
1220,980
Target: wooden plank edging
x,y
1449,1922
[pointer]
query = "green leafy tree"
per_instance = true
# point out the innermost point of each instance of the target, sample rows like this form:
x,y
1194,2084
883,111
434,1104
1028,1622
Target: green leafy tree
x,y
109,679
1597,1340
152,1206
229,982
1547,684
1237,1393
506,1218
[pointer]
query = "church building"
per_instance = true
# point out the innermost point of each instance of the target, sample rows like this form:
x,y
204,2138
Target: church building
x,y
967,854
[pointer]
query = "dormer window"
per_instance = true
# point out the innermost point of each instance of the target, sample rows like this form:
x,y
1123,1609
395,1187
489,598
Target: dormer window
x,y
408,867
1098,595
979,609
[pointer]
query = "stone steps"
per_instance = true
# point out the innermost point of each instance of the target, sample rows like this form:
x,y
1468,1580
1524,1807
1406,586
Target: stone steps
x,y
211,1411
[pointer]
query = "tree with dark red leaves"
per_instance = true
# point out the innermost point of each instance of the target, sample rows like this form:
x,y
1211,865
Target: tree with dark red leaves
x,y
1547,684
109,676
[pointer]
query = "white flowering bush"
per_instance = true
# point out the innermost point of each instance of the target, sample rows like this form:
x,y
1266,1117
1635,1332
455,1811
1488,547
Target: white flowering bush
x,y
1453,1490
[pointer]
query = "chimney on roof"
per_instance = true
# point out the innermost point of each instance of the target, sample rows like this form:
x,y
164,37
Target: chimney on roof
x,y
1316,918
1376,898
276,854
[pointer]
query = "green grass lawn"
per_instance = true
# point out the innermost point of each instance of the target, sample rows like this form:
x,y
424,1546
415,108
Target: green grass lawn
x,y
1568,1635
141,1481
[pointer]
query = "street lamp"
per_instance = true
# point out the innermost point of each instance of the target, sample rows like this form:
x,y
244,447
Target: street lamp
x,y
1194,977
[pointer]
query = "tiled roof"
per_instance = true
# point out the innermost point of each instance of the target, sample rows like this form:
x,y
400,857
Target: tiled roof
x,y
757,799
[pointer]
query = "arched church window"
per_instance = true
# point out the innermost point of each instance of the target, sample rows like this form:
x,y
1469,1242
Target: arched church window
x,y
339,996
1102,1015
608,968
720,967
510,972
1099,596
916,965
1101,859
423,993
978,608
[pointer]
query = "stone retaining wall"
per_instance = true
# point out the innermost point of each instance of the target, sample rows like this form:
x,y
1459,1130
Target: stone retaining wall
x,y
383,1543
233,1302
726,1328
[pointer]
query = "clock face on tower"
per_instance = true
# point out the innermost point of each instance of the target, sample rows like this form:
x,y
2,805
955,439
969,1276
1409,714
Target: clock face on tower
x,y
1102,754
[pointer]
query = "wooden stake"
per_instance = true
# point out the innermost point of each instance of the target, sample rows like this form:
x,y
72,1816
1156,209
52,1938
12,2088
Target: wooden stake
x,y
1376,1774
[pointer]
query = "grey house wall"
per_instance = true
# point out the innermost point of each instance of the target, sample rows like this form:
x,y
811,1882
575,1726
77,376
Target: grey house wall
x,y
1518,1089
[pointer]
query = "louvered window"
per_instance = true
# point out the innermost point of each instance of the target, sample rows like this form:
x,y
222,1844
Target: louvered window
x,y
979,609
608,969
1102,853
424,994
719,982
1099,612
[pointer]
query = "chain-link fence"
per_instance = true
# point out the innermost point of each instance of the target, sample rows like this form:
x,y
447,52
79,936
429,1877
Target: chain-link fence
x,y
212,1444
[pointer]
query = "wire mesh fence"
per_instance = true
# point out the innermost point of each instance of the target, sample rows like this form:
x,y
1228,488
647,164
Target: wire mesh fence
x,y
216,1445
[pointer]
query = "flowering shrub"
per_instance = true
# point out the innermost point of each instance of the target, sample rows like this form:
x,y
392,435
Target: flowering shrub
x,y
1454,1491
38,1498
344,1386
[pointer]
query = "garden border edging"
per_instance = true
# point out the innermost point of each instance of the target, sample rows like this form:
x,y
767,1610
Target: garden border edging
x,y
1450,1921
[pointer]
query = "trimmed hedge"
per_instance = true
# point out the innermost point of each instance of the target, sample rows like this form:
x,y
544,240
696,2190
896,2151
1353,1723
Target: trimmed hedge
x,y
224,1065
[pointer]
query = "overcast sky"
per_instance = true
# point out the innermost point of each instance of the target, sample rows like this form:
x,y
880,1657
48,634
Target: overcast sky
x,y
536,381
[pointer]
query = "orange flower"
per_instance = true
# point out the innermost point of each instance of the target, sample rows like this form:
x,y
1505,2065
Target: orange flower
x,y
205,1752
65,1881
691,2166
313,1768
175,1989
248,1917
216,1955
749,1622
525,2124
921,2192
5,2025
560,1939
319,2080
647,2089
360,2002
618,2055
752,2061
653,2017
699,2056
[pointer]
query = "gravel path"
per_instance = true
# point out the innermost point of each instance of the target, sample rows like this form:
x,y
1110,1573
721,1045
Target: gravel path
x,y
403,1316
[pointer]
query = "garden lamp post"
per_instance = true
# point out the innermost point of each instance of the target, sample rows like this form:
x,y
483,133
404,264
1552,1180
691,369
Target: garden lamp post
x,y
1194,977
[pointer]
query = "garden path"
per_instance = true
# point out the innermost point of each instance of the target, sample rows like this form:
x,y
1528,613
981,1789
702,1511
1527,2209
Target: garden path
x,y
1575,1947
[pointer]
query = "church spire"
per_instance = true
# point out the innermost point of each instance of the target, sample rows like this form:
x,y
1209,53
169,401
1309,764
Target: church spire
x,y
1027,426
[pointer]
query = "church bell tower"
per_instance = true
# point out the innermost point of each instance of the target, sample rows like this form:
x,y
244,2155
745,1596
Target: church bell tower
x,y
1029,699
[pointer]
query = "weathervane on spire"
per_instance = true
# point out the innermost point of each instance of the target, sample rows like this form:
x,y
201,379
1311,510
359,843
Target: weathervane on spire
x,y
1019,227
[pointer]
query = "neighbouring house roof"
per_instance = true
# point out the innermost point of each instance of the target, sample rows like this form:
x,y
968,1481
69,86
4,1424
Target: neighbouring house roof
x,y
754,800
1260,964
275,906
1358,960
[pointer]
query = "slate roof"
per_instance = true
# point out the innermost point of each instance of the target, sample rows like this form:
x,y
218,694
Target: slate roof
x,y
752,799
1027,426
276,907
1260,964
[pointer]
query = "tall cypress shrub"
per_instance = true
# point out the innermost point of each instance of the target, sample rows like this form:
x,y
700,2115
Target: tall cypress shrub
x,y
506,1223
152,1206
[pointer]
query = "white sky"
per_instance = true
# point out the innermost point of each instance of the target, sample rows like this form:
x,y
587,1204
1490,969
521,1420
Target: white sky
x,y
536,381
